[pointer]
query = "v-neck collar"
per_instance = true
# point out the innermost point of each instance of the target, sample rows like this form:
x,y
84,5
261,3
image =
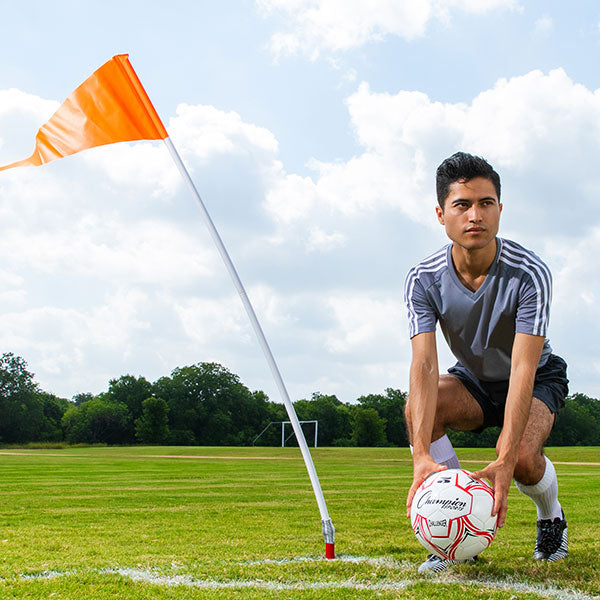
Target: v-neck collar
x,y
461,286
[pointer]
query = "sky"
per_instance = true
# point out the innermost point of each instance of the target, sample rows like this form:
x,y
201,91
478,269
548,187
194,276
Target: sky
x,y
312,130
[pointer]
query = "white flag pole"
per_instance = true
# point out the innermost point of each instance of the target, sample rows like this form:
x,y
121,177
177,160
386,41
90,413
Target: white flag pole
x,y
327,525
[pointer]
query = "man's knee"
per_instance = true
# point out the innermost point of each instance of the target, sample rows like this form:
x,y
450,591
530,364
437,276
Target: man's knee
x,y
530,466
457,409
531,463
450,406
447,387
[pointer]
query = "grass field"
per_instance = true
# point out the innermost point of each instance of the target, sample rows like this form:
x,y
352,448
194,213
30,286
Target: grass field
x,y
156,522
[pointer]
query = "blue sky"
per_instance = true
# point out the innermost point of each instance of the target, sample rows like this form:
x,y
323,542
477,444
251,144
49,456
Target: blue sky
x,y
312,130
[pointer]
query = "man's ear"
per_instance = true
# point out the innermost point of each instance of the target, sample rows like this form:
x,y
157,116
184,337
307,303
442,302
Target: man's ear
x,y
440,214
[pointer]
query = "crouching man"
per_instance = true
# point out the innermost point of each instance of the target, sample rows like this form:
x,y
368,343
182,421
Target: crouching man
x,y
492,299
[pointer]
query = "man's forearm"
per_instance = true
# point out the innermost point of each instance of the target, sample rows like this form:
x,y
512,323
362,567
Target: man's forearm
x,y
524,362
423,401
516,413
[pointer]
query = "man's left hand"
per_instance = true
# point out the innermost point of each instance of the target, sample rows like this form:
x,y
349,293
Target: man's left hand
x,y
500,476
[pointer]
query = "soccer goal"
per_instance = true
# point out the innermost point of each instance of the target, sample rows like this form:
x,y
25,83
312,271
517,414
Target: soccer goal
x,y
284,439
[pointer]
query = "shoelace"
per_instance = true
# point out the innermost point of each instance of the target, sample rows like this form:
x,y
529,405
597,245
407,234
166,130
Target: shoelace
x,y
550,535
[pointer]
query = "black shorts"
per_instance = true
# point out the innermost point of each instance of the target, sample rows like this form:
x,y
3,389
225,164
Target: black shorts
x,y
550,386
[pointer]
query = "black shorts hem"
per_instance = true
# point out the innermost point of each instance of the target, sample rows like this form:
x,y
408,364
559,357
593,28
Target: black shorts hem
x,y
550,386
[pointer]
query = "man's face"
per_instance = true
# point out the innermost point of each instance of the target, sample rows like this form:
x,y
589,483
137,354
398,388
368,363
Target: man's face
x,y
471,213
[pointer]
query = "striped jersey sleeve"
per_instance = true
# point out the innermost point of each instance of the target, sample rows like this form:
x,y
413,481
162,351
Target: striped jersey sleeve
x,y
535,292
422,316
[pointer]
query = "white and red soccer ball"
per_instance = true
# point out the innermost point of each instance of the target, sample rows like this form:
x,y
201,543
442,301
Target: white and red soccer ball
x,y
451,514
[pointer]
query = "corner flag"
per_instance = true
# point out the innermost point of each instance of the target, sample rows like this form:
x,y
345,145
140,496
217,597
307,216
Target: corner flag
x,y
109,106
112,106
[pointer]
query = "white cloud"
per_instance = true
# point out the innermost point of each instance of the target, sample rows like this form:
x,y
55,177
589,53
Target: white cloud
x,y
21,115
574,329
543,126
15,101
205,131
317,26
206,319
544,25
63,341
290,197
9,279
319,240
154,170
401,135
364,324
109,250
576,279
479,6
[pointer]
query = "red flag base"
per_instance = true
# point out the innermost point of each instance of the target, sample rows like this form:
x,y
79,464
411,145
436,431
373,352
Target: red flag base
x,y
329,550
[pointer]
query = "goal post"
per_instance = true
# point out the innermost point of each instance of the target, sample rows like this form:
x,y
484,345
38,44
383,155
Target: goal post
x,y
283,424
285,439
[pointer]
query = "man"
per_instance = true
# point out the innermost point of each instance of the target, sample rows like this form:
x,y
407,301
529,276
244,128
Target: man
x,y
492,299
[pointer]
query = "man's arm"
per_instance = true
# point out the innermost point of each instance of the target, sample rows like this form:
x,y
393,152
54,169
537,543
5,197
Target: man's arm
x,y
524,362
422,400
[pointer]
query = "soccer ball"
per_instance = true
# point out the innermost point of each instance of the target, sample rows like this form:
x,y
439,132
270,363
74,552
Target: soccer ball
x,y
451,514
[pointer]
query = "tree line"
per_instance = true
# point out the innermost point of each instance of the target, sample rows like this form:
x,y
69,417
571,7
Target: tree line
x,y
206,404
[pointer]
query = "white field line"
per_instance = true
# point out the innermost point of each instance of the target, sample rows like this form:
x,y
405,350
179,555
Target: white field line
x,y
156,578
550,592
211,457
140,576
510,585
42,454
383,561
143,457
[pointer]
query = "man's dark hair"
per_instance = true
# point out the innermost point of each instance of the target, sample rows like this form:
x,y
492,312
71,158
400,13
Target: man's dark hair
x,y
463,167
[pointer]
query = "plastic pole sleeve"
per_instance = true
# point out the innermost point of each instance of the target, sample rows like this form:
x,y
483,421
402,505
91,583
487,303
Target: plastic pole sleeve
x,y
260,335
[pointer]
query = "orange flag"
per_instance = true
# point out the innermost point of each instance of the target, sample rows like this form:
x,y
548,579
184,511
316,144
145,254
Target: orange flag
x,y
110,106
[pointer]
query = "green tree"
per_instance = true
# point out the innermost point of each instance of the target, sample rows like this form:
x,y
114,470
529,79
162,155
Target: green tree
x,y
335,424
153,426
54,410
391,408
21,407
130,391
210,406
180,395
467,439
82,397
578,423
368,428
97,421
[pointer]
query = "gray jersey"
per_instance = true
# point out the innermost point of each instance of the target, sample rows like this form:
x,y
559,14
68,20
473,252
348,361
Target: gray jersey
x,y
480,326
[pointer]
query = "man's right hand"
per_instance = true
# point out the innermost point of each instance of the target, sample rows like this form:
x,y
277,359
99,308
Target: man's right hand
x,y
422,469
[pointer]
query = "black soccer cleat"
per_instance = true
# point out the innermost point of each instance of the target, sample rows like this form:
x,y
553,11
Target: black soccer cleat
x,y
552,542
434,564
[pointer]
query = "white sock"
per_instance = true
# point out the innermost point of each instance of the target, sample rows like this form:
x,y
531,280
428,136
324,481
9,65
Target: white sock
x,y
544,493
443,453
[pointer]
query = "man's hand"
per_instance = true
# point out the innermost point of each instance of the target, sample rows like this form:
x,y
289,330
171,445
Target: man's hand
x,y
422,468
500,475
